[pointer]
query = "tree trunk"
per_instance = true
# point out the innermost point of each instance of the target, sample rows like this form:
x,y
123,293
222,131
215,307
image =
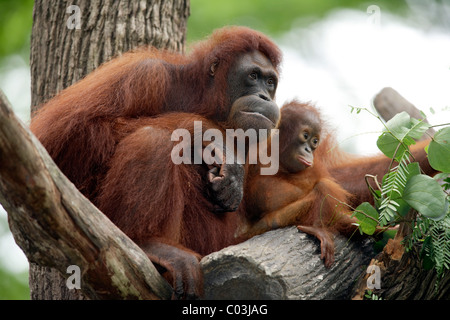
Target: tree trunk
x,y
403,277
63,51
70,39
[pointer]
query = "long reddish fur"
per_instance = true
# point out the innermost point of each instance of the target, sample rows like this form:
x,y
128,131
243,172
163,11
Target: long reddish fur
x,y
81,126
149,197
310,197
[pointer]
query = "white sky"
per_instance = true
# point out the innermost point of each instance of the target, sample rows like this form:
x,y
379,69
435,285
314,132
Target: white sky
x,y
345,59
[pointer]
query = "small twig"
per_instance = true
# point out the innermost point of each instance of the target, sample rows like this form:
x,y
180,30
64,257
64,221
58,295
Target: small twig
x,y
371,189
353,209
440,125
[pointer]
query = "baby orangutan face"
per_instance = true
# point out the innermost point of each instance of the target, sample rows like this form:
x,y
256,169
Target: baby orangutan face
x,y
298,155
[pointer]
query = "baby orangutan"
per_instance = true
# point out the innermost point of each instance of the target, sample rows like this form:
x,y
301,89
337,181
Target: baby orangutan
x,y
303,192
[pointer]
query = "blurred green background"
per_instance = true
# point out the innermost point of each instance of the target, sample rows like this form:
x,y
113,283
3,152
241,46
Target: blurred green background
x,y
272,17
276,18
268,16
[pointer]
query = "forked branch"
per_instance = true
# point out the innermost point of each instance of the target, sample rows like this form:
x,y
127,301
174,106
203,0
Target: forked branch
x,y
56,226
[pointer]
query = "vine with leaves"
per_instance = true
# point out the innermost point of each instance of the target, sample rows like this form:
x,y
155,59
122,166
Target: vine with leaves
x,y
406,196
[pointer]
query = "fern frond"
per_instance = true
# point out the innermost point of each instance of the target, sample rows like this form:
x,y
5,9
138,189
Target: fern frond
x,y
392,189
440,238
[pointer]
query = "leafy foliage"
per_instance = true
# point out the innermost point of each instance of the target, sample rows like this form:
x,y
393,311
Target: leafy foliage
x,y
403,189
368,218
424,194
395,182
439,150
371,296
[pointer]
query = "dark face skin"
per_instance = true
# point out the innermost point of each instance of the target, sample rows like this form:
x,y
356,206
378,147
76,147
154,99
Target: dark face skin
x,y
298,155
252,83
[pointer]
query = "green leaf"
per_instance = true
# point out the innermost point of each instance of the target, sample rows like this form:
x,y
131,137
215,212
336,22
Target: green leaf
x,y
418,128
367,225
439,150
398,124
405,128
427,261
401,129
413,169
388,144
403,208
424,194
441,176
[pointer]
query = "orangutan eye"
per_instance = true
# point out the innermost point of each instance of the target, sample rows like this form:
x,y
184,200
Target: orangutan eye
x,y
253,76
305,135
270,82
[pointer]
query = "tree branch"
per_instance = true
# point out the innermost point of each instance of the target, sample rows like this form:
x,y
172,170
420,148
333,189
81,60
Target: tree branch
x,y
388,102
56,226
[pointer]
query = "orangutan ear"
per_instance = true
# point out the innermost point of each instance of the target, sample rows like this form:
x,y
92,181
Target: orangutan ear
x,y
213,68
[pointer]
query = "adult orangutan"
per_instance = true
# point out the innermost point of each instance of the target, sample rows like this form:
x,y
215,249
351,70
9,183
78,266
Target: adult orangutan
x,y
110,134
82,125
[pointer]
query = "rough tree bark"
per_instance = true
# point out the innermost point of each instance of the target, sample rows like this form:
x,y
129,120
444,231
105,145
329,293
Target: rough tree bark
x,y
61,54
55,225
284,264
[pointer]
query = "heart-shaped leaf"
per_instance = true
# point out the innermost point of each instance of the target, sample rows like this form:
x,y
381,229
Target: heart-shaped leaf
x,y
424,194
439,150
368,218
